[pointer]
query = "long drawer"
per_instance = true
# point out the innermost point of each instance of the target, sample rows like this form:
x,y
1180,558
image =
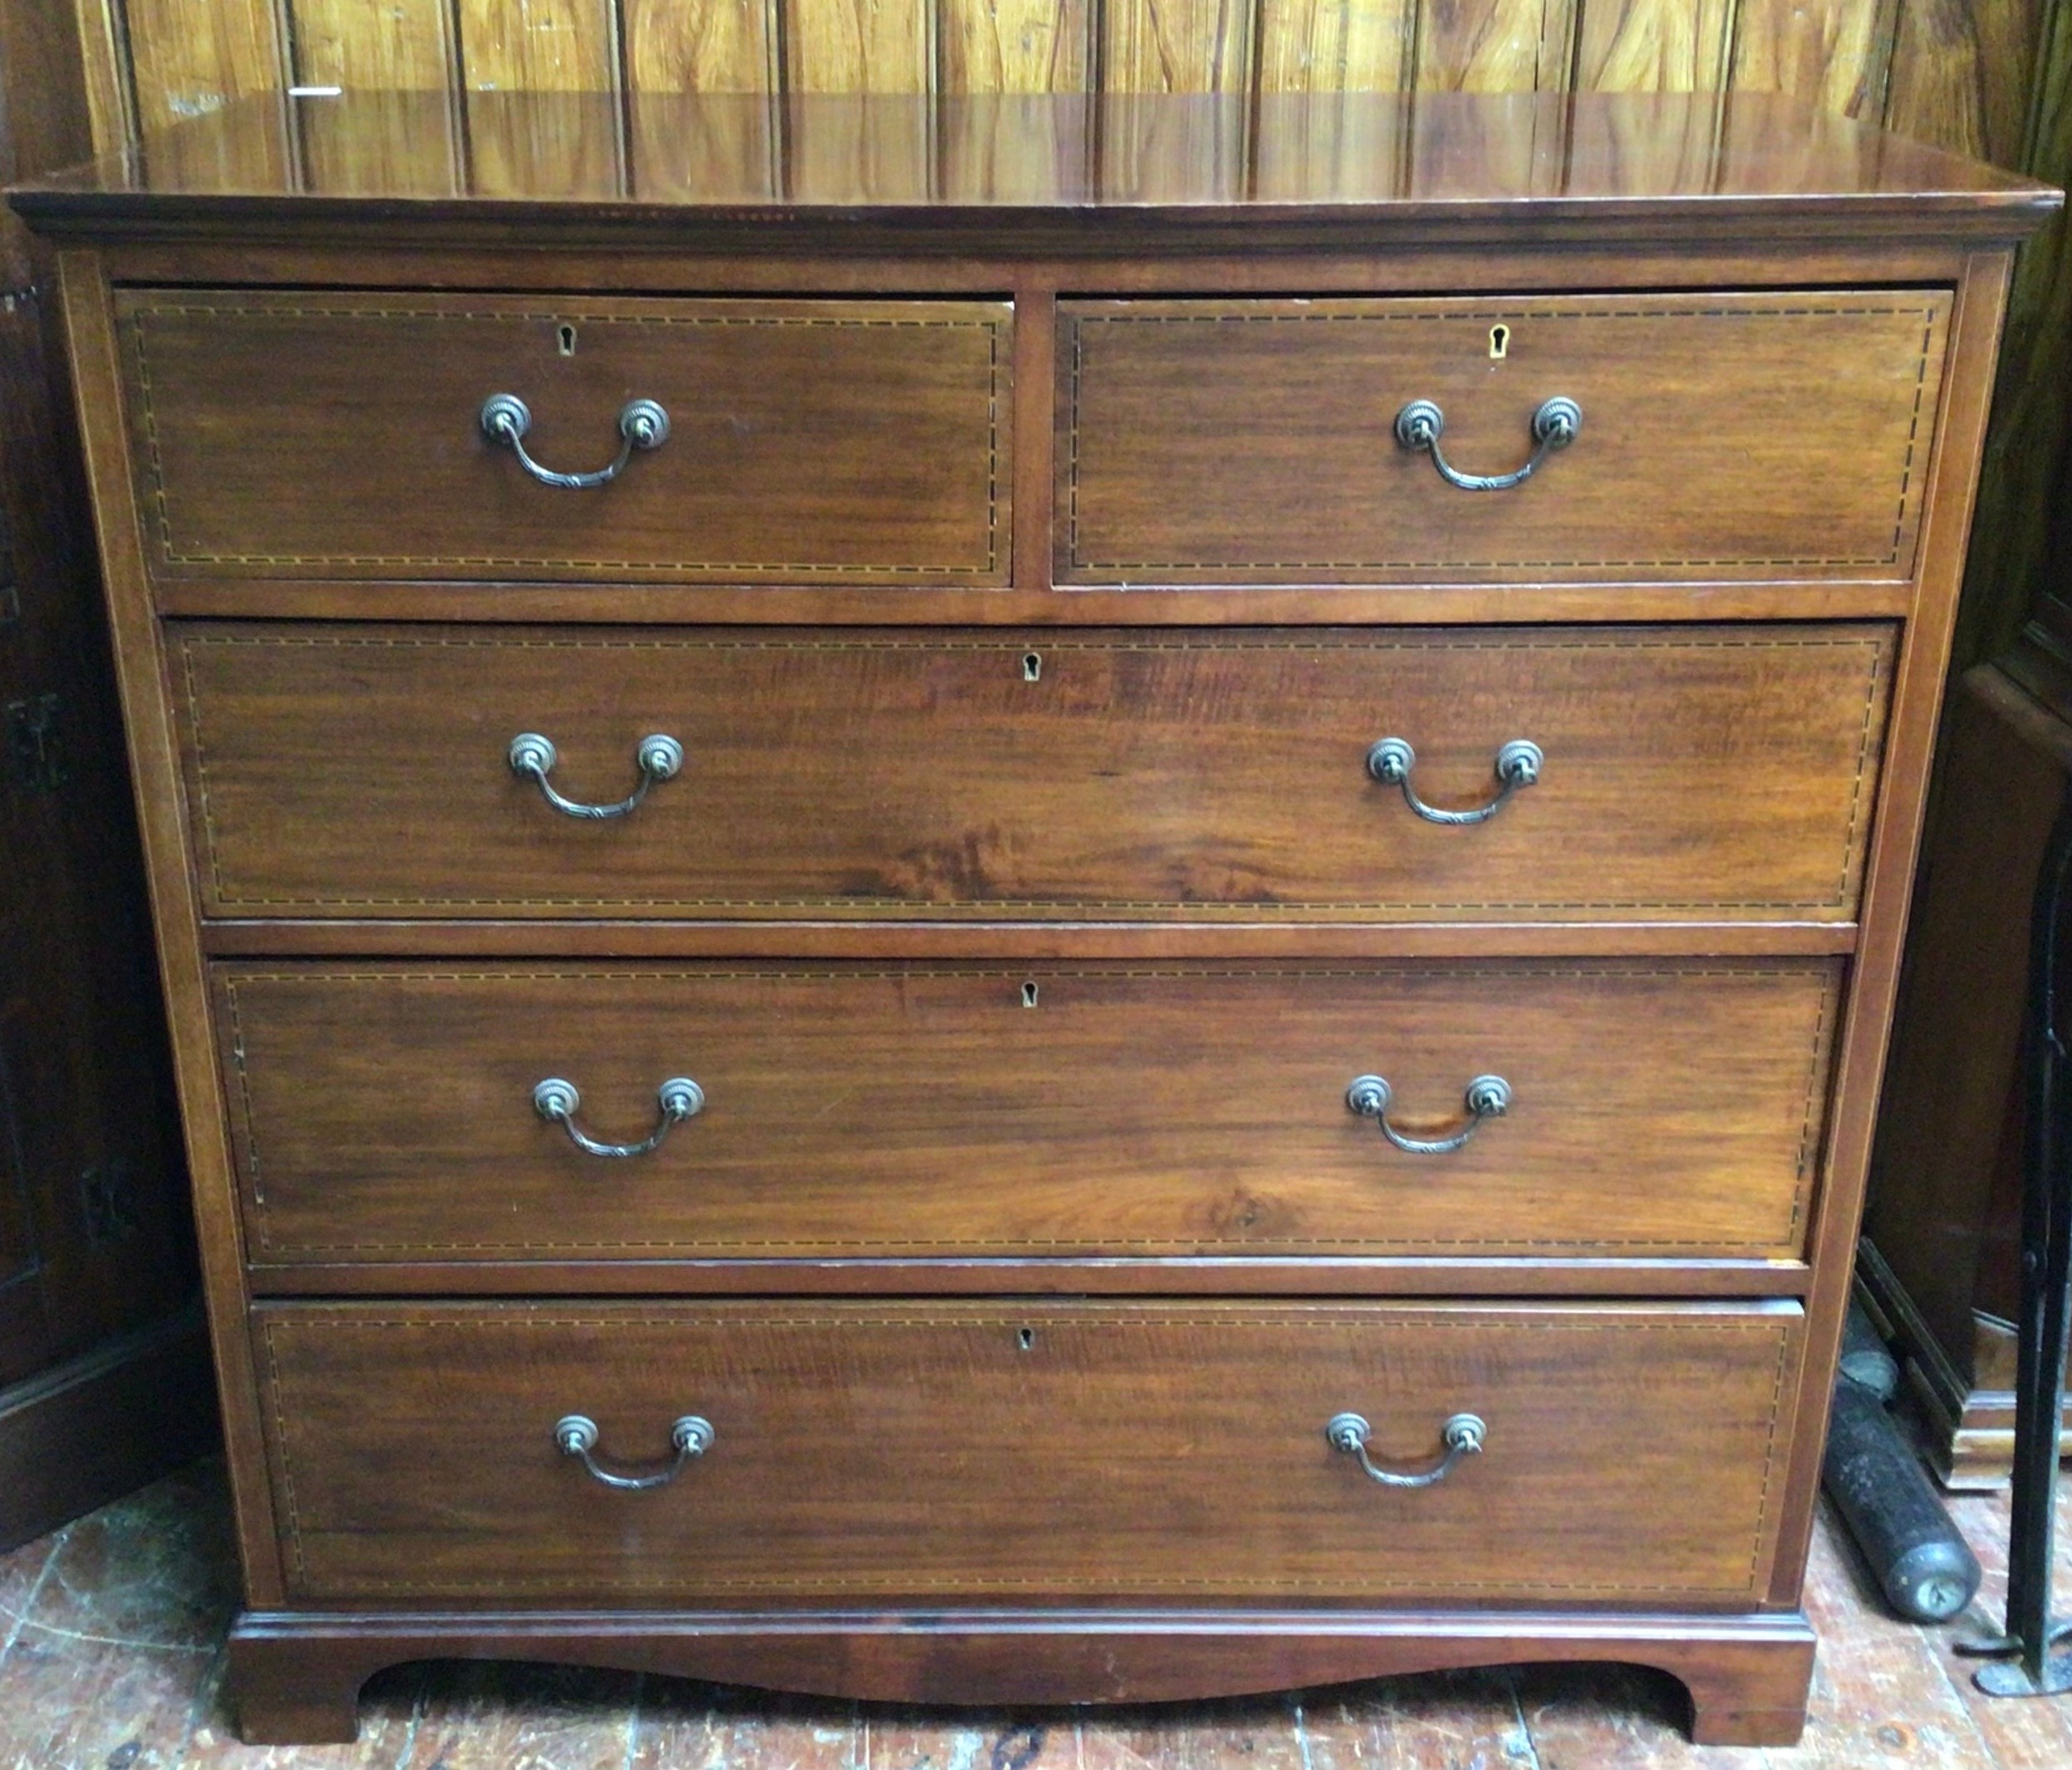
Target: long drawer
x,y
335,434
1714,436
1697,772
952,1452
387,1113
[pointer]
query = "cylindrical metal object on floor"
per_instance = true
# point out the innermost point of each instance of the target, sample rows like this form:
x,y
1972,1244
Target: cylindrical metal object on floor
x,y
1877,1483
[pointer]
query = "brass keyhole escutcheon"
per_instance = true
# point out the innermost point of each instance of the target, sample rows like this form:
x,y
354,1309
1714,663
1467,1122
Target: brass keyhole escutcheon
x,y
565,338
1029,995
1500,343
1032,666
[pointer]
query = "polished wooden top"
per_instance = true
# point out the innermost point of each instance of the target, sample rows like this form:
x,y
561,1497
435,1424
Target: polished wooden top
x,y
1061,169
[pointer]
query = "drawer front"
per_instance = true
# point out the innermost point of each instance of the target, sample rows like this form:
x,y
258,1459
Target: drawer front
x,y
967,1453
340,435
387,1113
1722,436
1696,773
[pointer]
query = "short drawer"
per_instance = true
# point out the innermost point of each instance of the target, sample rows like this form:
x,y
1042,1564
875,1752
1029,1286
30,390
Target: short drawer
x,y
967,1453
335,434
1698,772
1721,437
387,1113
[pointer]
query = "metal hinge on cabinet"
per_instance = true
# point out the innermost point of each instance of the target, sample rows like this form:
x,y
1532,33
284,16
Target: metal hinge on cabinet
x,y
36,752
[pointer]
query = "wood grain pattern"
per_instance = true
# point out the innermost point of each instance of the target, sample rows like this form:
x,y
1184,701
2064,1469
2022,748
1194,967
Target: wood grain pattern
x,y
402,48
1708,773
186,55
90,334
1641,46
1014,46
188,58
725,46
1494,45
1133,785
385,1114
1836,54
1336,46
547,46
107,82
849,441
1924,666
405,45
1177,46
970,1451
1962,71
298,1677
1765,436
859,46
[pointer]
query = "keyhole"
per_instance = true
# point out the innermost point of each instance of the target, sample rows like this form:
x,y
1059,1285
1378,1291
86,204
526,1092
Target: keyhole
x,y
565,337
1026,1339
1500,343
1029,995
1032,666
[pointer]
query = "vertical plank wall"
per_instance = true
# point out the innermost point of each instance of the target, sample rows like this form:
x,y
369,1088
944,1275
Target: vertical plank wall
x,y
1993,77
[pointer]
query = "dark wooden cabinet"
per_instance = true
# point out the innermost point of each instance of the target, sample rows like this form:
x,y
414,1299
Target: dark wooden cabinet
x,y
1940,1258
103,1375
1159,968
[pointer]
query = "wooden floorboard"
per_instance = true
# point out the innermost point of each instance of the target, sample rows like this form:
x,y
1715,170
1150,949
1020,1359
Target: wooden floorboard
x,y
110,1659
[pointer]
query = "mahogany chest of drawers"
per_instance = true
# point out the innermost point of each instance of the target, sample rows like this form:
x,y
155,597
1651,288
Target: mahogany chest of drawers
x,y
996,901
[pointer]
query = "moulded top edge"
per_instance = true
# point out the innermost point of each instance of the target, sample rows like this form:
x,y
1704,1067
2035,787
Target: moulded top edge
x,y
1040,167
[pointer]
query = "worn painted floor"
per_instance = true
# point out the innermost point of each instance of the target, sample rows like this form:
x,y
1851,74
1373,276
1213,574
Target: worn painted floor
x,y
110,1659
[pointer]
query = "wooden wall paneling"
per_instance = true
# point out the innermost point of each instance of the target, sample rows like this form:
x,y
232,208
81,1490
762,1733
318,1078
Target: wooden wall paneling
x,y
1961,72
1013,45
1641,46
188,56
1835,54
724,47
401,46
877,47
1336,46
859,46
985,47
1196,46
1177,46
104,73
1324,45
44,106
2027,448
1494,45
552,45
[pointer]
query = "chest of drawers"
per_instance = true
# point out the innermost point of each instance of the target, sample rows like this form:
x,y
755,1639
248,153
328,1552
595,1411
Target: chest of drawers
x,y
1102,913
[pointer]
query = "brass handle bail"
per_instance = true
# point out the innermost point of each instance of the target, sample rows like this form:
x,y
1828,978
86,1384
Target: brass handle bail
x,y
643,424
1519,764
658,757
1488,1096
556,1101
1555,425
575,1435
1464,1435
